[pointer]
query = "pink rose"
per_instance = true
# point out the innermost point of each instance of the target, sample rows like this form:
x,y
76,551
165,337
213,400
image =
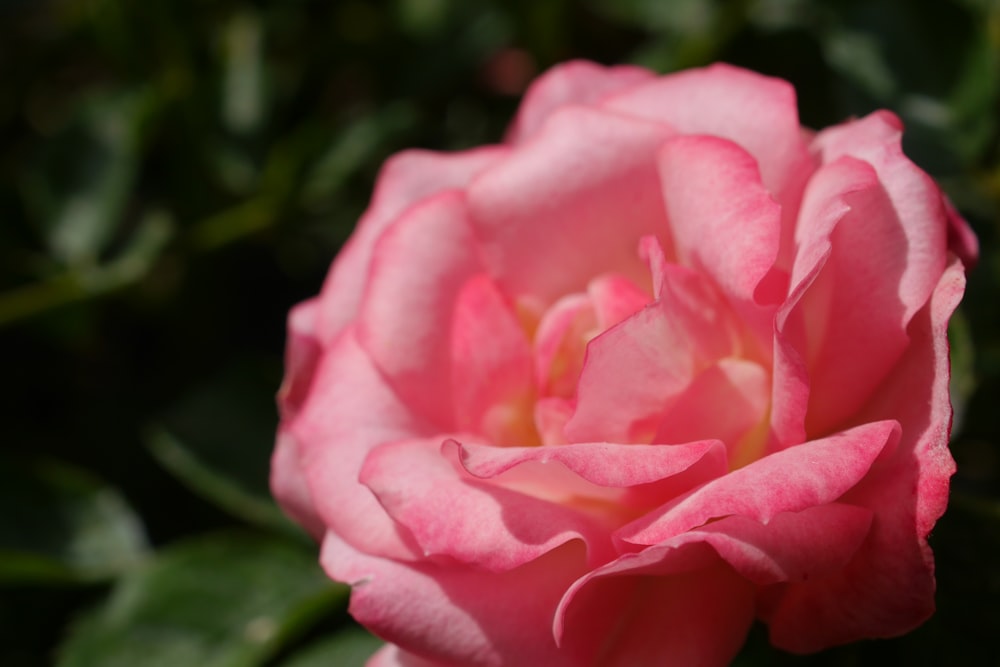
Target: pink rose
x,y
661,364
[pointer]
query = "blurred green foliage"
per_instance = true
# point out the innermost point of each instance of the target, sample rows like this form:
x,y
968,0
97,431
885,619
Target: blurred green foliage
x,y
174,175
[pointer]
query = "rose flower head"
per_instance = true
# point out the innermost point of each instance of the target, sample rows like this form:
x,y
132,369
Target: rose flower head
x,y
661,364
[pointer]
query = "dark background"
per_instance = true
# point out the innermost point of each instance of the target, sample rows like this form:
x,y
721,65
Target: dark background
x,y
174,175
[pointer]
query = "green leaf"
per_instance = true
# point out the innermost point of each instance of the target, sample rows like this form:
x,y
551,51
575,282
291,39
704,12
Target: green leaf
x,y
243,93
59,524
86,174
222,601
218,440
858,57
357,144
348,648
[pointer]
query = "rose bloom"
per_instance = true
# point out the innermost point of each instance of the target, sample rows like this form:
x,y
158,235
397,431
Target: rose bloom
x,y
659,365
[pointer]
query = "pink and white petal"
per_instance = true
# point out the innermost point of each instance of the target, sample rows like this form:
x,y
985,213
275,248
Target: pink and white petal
x,y
791,547
664,605
289,486
301,356
492,619
916,385
391,655
917,201
574,82
725,224
351,410
470,520
651,252
491,366
418,268
634,371
724,402
792,480
560,341
961,239
757,112
551,415
854,319
789,394
587,191
648,473
615,298
405,179
888,588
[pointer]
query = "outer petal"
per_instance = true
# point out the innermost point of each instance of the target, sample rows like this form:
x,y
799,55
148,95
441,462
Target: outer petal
x,y
961,239
851,315
629,476
351,410
574,82
888,587
586,192
491,619
725,224
301,357
795,546
391,655
289,486
916,199
405,179
470,520
756,112
792,480
418,268
665,605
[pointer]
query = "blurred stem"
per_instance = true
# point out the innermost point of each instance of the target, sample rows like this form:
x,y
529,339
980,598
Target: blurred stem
x,y
78,283
23,302
83,282
259,212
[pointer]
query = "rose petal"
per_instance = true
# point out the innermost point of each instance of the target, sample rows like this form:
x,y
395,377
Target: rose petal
x,y
724,402
724,223
646,473
301,356
791,547
756,112
615,298
852,318
491,618
961,239
351,410
404,180
289,486
491,365
391,655
574,82
678,606
789,394
560,341
417,270
635,370
888,588
468,519
587,191
916,199
792,480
